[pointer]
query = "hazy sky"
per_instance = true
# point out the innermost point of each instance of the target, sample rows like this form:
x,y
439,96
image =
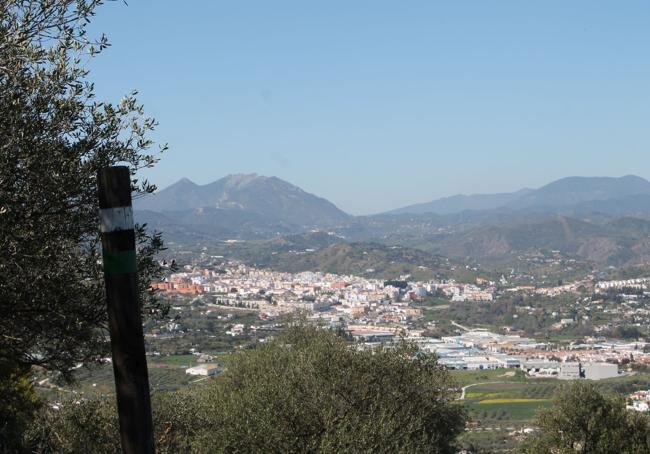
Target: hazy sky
x,y
379,104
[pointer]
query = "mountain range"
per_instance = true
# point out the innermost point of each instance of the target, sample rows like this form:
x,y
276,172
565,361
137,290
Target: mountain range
x,y
603,219
561,194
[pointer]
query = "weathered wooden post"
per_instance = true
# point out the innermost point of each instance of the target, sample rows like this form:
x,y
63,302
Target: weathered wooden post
x,y
125,322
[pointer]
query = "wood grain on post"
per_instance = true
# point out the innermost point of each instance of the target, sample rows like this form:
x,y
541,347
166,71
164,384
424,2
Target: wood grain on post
x,y
125,321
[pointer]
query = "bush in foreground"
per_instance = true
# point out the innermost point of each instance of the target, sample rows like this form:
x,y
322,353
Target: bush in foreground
x,y
585,420
306,391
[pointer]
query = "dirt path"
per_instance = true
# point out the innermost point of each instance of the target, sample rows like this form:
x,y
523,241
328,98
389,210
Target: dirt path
x,y
464,388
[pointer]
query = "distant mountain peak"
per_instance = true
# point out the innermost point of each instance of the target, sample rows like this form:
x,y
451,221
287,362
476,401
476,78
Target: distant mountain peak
x,y
185,181
242,179
269,197
633,177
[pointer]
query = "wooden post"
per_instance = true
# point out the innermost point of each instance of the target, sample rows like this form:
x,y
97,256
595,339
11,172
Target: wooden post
x,y
125,322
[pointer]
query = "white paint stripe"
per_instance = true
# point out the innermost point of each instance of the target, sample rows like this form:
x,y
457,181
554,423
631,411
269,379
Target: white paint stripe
x,y
114,219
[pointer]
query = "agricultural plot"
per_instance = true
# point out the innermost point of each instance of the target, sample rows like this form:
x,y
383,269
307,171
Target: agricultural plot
x,y
495,398
492,403
172,361
466,377
99,380
499,404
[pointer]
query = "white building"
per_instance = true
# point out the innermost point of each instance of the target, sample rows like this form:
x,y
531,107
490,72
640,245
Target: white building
x,y
203,369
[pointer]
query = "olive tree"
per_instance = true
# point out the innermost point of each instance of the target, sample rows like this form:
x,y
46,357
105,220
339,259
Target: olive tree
x,y
585,420
54,136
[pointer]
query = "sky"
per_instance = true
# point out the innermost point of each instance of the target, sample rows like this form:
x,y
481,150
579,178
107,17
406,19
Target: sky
x,y
378,104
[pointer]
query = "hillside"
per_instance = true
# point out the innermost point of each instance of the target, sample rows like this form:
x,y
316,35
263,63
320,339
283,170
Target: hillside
x,y
270,199
624,241
578,192
214,223
366,259
320,251
459,203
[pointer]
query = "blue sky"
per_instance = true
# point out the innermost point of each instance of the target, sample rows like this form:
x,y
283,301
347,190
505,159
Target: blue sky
x,y
379,104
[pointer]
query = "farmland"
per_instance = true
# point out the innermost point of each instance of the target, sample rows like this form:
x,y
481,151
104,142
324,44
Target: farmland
x,y
166,373
500,403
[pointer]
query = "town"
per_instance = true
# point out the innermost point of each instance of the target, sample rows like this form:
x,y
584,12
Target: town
x,y
374,312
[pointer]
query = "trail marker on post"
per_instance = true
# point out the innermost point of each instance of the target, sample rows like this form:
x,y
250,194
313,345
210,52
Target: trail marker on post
x,y
125,322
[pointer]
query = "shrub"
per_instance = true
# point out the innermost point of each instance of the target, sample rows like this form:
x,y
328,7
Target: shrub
x,y
306,391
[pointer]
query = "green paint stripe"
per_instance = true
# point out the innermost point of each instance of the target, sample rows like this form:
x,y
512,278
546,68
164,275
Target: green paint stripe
x,y
121,262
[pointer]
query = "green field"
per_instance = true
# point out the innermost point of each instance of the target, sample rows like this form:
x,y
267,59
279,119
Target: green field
x,y
500,402
510,401
177,361
501,398
101,381
166,373
184,361
517,412
515,401
466,377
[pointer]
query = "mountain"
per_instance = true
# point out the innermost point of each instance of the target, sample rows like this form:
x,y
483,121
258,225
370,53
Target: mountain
x,y
459,203
577,190
257,199
575,193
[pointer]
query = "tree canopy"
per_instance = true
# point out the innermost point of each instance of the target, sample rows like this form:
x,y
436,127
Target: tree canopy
x,y
586,421
54,136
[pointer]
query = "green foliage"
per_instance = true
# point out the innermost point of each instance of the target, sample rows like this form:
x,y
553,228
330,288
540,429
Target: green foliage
x,y
306,391
624,332
18,403
309,391
87,426
585,420
54,136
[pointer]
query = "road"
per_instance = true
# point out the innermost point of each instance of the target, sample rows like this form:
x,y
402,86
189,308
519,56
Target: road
x,y
464,388
458,325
